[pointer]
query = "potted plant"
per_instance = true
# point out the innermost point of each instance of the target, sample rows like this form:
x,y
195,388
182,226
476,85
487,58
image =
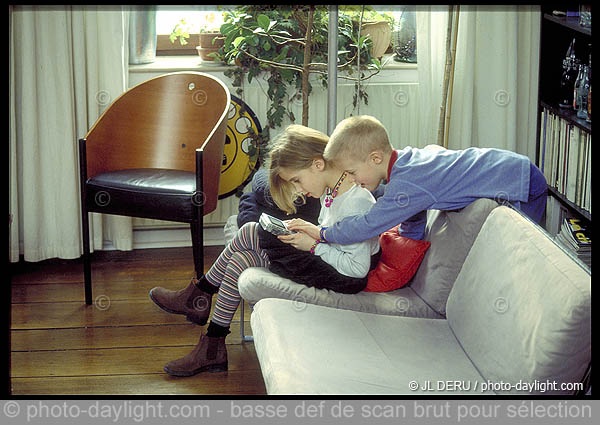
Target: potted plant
x,y
381,34
285,44
377,26
210,38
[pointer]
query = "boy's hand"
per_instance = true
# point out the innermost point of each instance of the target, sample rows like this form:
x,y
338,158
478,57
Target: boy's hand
x,y
300,241
305,227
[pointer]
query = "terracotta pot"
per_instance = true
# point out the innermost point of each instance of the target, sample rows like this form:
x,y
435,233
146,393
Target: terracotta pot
x,y
207,46
381,35
206,40
204,52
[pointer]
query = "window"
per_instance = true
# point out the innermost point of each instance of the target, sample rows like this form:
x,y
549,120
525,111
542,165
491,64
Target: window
x,y
203,18
404,35
188,19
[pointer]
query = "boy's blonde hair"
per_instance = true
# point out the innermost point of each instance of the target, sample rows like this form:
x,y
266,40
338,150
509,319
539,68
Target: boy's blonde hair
x,y
294,149
356,137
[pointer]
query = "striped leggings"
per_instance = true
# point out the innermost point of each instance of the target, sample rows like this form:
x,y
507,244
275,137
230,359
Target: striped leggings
x,y
241,253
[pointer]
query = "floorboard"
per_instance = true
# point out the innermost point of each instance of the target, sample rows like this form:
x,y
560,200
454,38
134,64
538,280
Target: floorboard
x,y
119,344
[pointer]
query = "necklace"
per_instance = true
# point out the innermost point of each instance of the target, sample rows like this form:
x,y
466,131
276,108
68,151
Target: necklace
x,y
333,193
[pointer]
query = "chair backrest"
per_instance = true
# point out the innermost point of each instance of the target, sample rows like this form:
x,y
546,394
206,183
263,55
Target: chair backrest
x,y
160,123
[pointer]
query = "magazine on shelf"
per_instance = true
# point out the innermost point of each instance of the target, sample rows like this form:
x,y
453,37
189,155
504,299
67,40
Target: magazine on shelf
x,y
577,237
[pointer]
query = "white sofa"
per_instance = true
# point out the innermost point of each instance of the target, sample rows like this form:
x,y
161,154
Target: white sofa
x,y
516,321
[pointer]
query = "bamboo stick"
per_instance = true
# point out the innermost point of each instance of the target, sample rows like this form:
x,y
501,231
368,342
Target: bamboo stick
x,y
451,87
440,138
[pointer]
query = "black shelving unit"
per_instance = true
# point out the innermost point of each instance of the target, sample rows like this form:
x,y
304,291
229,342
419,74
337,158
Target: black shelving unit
x,y
569,22
556,35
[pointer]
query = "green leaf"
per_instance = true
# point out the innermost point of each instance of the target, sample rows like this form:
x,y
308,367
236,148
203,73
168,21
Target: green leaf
x,y
263,21
227,28
238,41
252,40
267,46
283,33
230,38
282,55
287,74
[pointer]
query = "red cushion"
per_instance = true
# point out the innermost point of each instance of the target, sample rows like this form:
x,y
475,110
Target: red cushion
x,y
400,260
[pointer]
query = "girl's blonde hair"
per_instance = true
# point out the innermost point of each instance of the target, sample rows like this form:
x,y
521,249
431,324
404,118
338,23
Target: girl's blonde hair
x,y
294,149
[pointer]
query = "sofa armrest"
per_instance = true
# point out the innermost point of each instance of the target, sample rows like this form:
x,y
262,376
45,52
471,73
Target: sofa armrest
x,y
529,305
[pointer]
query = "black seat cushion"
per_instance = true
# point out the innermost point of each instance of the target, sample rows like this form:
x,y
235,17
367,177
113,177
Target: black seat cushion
x,y
145,192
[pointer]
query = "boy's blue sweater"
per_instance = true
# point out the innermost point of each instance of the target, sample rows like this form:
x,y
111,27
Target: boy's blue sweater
x,y
423,179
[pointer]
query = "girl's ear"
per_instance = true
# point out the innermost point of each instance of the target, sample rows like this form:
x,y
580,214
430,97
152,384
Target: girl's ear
x,y
319,164
376,157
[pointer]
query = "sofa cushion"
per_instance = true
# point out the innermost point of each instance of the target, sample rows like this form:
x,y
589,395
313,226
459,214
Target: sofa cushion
x,y
451,234
400,259
308,349
520,306
257,283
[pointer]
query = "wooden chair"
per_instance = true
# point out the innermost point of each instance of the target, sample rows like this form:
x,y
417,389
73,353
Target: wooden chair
x,y
156,152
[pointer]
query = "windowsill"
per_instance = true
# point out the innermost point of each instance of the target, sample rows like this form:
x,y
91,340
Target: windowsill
x,y
194,63
178,63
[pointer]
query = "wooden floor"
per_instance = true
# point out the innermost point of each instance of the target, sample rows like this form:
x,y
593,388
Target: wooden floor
x,y
118,345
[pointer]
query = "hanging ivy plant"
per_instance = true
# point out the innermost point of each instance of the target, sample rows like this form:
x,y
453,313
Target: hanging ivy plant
x,y
272,41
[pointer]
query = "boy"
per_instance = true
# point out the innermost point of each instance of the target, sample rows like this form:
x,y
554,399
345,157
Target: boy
x,y
422,179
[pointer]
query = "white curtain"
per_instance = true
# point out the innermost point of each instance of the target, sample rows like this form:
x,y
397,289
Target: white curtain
x,y
432,22
66,65
494,101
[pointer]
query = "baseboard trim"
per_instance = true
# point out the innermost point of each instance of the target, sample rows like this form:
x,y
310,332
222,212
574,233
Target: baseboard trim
x,y
171,238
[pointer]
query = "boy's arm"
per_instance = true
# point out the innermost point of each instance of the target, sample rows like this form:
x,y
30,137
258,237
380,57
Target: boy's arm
x,y
402,201
414,227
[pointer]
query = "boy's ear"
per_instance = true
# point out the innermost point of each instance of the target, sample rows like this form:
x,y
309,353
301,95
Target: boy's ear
x,y
376,157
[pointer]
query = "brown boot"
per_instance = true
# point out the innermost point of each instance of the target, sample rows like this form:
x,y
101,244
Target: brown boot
x,y
210,355
191,301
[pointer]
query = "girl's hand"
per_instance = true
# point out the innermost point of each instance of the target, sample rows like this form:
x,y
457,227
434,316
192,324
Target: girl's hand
x,y
305,227
300,241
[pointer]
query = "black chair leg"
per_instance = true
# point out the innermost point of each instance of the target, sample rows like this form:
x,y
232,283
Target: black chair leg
x,y
85,224
87,266
198,246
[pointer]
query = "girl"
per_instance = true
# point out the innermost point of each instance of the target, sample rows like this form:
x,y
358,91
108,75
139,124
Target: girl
x,y
296,170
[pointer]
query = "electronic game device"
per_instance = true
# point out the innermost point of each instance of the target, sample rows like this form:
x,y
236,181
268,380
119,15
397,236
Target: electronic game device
x,y
273,225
